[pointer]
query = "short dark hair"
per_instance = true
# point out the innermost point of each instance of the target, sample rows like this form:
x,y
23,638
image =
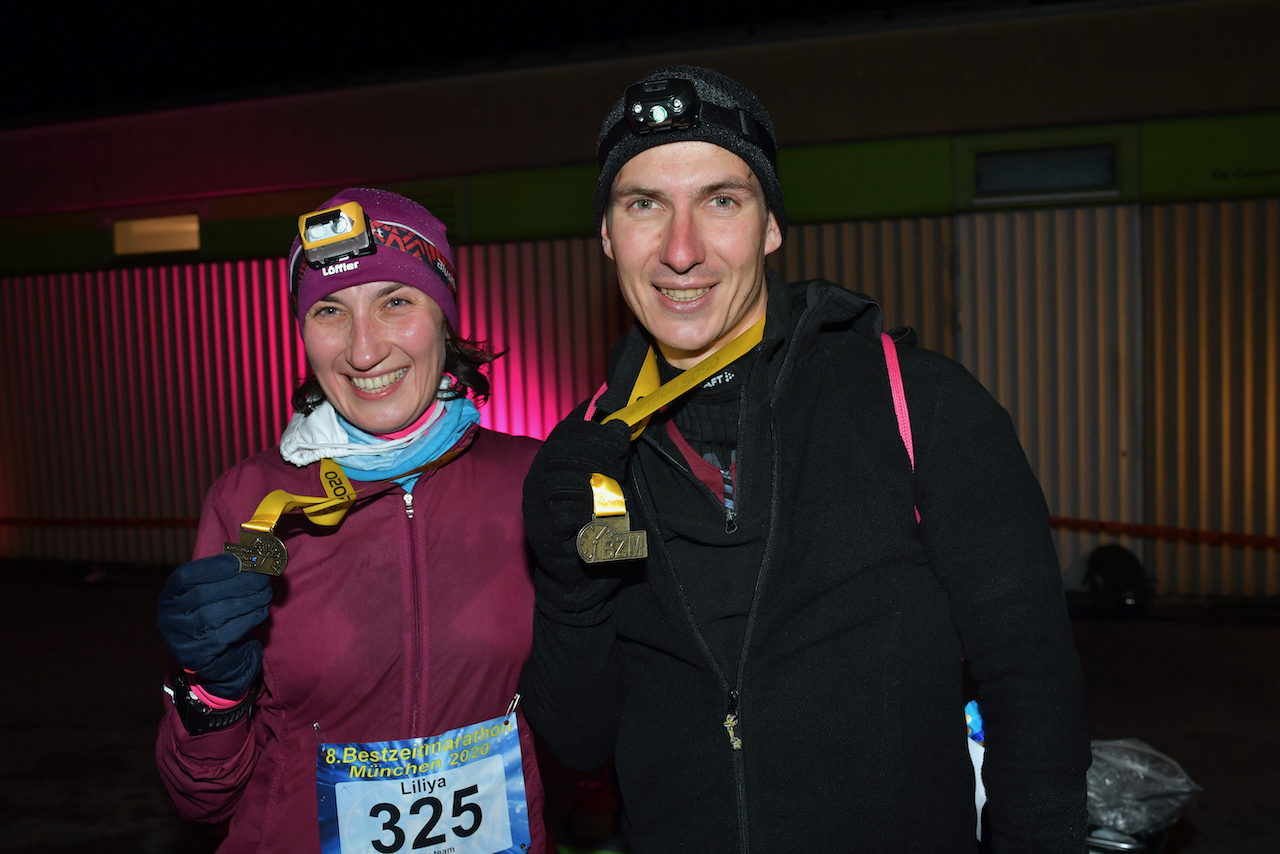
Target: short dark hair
x,y
464,359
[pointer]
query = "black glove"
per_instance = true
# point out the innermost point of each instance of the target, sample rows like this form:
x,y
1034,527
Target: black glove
x,y
206,608
558,502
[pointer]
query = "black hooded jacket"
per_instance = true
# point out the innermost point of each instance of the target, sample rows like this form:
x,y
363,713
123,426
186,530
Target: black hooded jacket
x,y
847,687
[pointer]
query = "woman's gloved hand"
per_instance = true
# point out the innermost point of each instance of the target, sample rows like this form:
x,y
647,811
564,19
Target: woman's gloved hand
x,y
206,609
558,502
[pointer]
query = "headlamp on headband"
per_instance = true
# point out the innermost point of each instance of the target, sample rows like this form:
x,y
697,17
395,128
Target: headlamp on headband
x,y
672,104
659,105
335,234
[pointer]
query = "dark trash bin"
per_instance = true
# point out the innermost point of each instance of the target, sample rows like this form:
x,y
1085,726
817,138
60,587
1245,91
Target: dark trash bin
x,y
1117,582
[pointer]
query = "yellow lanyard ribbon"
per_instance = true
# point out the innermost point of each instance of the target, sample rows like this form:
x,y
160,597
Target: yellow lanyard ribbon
x,y
649,394
327,511
260,550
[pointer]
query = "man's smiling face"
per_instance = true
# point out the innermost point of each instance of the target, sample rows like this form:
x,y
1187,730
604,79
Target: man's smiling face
x,y
688,228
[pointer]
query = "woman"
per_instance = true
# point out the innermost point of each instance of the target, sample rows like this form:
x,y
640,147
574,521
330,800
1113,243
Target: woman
x,y
362,699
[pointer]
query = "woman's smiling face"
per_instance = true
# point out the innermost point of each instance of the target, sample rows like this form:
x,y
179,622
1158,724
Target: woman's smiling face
x,y
377,350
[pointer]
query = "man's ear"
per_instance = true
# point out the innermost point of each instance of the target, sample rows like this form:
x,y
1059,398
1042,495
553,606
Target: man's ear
x,y
605,243
772,235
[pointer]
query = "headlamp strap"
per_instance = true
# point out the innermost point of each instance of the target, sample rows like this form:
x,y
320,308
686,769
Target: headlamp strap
x,y
395,236
736,121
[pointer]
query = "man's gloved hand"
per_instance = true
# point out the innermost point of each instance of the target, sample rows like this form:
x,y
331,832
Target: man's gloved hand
x,y
206,608
558,501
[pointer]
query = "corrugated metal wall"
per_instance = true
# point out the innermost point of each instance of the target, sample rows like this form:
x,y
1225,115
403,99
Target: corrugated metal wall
x,y
132,390
555,307
1050,313
905,264
1214,376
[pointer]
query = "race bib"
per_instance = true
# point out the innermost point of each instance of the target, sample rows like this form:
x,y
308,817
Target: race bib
x,y
461,792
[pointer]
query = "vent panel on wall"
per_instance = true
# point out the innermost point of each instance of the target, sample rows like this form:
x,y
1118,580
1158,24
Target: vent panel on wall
x,y
134,389
1049,303
904,264
1214,376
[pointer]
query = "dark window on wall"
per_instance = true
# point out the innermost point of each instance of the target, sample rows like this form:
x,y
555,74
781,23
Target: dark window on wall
x,y
1048,171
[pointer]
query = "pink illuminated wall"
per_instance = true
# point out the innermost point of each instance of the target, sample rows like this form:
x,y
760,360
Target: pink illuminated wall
x,y
554,307
131,390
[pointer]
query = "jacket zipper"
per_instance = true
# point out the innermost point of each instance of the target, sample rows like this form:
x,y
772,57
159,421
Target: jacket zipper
x,y
733,695
416,612
731,720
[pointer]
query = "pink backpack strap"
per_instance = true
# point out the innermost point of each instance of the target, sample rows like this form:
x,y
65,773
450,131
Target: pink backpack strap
x,y
899,398
591,407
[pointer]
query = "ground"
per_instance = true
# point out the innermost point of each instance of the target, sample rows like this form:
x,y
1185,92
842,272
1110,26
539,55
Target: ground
x,y
84,662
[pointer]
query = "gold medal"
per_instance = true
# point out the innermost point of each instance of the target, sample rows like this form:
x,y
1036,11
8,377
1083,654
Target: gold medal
x,y
609,538
259,551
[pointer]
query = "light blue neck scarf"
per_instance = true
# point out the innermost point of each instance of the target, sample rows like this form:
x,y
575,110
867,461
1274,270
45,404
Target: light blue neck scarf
x,y
459,414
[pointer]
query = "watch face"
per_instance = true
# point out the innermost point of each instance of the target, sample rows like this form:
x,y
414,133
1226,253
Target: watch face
x,y
197,704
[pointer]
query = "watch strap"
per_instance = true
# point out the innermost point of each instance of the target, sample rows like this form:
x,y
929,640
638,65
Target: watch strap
x,y
198,716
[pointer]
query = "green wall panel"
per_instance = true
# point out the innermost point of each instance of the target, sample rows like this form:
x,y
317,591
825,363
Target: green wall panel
x,y
52,252
1167,160
863,180
537,203
237,239
1212,158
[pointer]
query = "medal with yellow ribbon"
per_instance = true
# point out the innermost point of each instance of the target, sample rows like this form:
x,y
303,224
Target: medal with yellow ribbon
x,y
608,536
260,550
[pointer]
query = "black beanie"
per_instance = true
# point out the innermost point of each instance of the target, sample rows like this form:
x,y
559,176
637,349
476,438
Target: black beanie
x,y
741,125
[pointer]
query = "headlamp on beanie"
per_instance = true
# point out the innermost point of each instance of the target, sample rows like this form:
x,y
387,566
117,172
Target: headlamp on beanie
x,y
659,105
672,103
335,234
678,103
364,235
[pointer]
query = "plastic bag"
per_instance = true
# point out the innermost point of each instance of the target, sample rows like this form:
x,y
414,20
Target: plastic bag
x,y
1134,788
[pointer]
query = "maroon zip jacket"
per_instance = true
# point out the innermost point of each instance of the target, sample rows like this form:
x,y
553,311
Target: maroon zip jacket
x,y
411,618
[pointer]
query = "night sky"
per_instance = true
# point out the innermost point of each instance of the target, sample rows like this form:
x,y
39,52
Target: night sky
x,y
67,66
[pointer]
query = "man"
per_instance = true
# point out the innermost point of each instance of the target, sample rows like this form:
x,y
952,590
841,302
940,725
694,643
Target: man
x,y
782,670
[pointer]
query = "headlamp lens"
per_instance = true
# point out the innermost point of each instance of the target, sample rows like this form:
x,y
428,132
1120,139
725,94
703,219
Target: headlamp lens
x,y
334,234
325,226
660,105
